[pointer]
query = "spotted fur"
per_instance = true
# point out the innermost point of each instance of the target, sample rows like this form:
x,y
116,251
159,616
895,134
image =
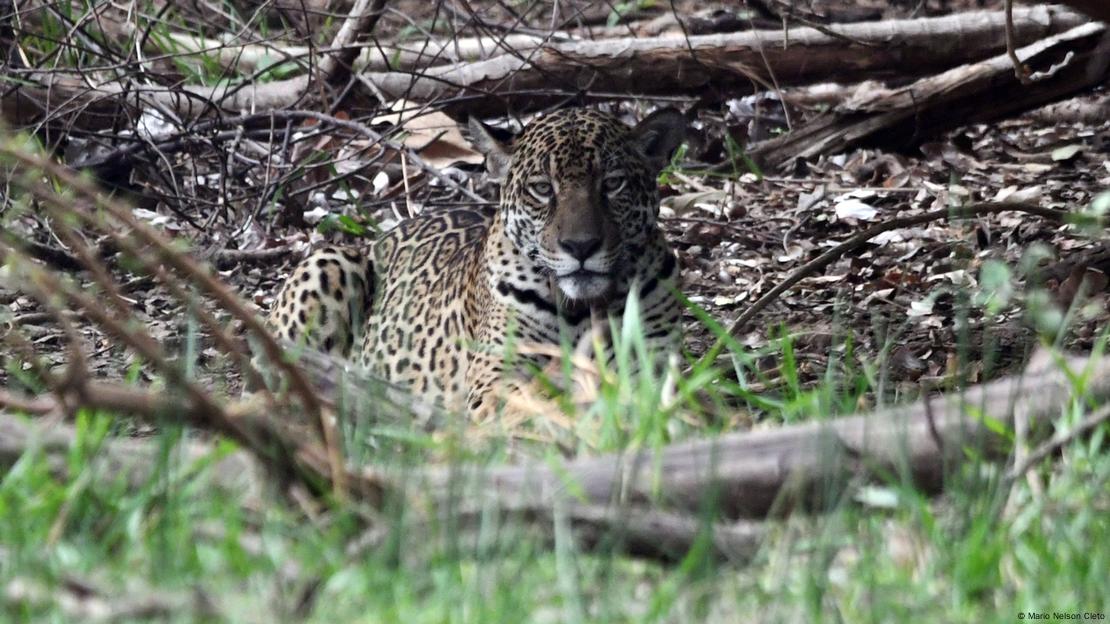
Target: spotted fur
x,y
576,230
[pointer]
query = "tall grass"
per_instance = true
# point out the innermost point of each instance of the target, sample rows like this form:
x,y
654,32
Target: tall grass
x,y
884,553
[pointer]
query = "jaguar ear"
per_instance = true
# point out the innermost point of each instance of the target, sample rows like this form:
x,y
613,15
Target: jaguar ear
x,y
659,135
497,149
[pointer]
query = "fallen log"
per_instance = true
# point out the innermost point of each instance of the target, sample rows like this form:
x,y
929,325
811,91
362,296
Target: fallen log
x,y
652,500
758,473
1098,9
902,117
135,460
727,64
383,56
640,532
248,56
1076,110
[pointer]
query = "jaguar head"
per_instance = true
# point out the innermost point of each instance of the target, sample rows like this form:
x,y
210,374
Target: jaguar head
x,y
579,193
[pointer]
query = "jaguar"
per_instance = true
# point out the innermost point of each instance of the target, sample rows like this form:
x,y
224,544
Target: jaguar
x,y
436,302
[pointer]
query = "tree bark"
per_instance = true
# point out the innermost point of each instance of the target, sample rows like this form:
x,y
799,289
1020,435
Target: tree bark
x,y
1098,9
759,473
1077,110
751,474
899,118
655,504
379,56
724,65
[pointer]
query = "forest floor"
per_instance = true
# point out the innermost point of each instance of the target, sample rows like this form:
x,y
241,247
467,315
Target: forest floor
x,y
910,303
936,306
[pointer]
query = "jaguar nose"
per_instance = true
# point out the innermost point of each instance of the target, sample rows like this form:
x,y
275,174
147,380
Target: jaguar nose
x,y
582,248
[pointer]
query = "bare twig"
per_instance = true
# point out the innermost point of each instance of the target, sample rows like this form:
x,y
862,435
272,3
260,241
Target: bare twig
x,y
37,406
73,389
1021,72
335,68
1089,423
180,262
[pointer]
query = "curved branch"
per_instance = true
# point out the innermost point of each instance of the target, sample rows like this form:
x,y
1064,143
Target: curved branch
x,y
858,240
335,68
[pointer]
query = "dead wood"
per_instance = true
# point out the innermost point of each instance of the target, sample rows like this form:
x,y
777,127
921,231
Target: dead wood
x,y
757,473
640,532
899,118
1088,424
1098,9
1095,258
381,55
722,64
378,56
634,530
133,459
82,600
275,445
1075,110
655,534
714,19
621,501
227,258
336,67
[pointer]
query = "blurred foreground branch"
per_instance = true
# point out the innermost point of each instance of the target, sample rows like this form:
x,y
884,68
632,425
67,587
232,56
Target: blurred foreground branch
x,y
648,502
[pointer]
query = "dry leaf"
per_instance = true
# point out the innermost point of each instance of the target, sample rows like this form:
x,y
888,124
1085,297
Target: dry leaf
x,y
1067,152
432,134
686,202
855,209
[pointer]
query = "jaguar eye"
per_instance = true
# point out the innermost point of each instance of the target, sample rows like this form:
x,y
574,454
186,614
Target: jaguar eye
x,y
542,189
614,184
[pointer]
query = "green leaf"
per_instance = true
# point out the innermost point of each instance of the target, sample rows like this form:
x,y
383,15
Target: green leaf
x,y
350,226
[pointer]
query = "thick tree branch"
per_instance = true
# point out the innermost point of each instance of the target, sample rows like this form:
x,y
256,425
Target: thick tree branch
x,y
898,118
1098,9
336,67
651,502
725,64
